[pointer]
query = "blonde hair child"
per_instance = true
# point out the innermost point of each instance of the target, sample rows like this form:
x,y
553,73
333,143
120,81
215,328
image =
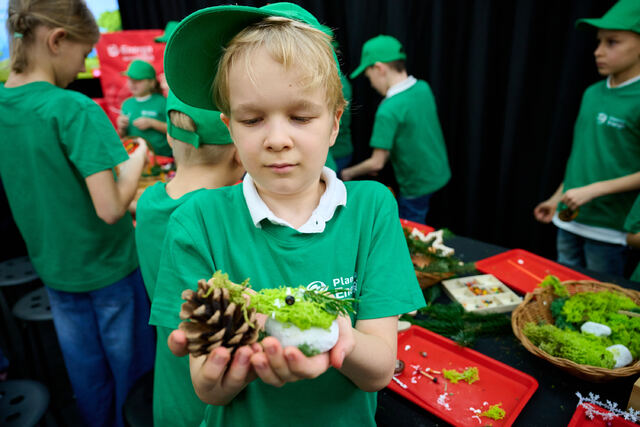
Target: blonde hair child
x,y
57,162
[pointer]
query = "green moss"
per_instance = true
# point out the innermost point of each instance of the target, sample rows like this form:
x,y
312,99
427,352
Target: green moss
x,y
302,313
470,375
307,350
494,412
584,349
558,288
595,306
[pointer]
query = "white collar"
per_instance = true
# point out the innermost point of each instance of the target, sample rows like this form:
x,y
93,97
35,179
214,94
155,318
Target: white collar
x,y
401,87
335,194
626,83
143,98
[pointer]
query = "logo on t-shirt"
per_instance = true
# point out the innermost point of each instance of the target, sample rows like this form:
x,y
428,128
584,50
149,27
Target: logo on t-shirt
x,y
148,113
342,287
614,122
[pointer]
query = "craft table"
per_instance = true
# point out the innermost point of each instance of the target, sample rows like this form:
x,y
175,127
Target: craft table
x,y
555,400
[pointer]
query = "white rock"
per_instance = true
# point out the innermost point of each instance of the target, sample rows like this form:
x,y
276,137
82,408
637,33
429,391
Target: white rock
x,y
597,329
621,355
319,339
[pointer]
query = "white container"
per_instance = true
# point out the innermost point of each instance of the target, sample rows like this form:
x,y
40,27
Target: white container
x,y
481,294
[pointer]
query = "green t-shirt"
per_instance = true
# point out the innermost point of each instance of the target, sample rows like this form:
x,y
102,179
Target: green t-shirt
x,y
362,251
52,140
343,146
152,216
407,125
606,145
632,225
154,108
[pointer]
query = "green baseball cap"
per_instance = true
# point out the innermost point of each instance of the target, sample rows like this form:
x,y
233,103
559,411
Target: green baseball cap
x,y
140,70
209,128
168,30
195,47
379,49
624,15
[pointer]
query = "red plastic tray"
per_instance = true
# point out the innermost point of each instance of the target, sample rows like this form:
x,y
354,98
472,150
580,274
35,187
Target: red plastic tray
x,y
498,383
523,271
410,224
580,419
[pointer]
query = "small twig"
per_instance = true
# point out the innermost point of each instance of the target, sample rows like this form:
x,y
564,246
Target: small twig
x,y
629,313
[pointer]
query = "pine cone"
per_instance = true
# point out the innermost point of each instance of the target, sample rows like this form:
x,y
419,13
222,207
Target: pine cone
x,y
213,320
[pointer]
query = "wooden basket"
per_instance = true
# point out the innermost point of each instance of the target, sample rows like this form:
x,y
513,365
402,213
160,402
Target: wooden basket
x,y
536,308
427,279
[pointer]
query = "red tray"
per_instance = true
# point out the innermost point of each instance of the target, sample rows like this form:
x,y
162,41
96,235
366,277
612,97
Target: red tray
x,y
523,271
580,419
410,224
498,383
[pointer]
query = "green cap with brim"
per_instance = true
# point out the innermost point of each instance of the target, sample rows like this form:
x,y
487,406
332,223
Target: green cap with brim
x,y
140,70
168,30
195,47
624,15
379,49
209,128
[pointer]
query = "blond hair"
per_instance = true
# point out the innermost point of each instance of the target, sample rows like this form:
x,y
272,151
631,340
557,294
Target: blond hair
x,y
25,15
186,154
290,43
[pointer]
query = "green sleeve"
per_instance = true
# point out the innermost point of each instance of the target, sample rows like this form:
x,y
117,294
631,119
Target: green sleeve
x,y
389,284
90,140
384,129
185,259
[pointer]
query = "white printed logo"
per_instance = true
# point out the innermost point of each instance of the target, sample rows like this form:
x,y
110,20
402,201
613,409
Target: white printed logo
x,y
602,117
113,50
317,286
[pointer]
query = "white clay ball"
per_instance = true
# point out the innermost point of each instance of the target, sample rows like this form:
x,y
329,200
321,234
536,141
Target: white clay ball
x,y
621,355
318,339
597,329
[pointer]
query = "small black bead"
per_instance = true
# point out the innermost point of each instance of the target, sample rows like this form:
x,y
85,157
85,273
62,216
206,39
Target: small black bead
x,y
289,300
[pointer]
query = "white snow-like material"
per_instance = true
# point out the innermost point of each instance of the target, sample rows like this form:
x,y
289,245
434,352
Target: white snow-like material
x,y
289,334
621,355
436,237
597,329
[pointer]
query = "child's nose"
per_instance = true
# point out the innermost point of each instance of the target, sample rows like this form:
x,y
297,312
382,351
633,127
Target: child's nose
x,y
277,137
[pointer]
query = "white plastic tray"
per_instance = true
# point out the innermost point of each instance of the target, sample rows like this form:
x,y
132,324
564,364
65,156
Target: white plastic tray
x,y
482,294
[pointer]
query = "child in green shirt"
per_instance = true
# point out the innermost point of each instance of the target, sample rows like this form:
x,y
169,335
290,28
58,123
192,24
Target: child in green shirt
x,y
602,177
206,159
406,129
292,222
143,114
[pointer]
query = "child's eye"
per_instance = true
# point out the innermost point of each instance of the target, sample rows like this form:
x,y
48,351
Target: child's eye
x,y
300,119
612,42
250,122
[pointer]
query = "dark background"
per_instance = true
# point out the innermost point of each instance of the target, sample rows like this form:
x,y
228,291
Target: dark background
x,y
508,76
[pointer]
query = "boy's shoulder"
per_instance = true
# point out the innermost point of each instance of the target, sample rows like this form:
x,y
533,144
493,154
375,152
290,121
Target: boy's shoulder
x,y
219,201
368,192
414,95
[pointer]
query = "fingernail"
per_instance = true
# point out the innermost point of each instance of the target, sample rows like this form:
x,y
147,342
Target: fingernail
x,y
219,359
243,359
291,357
271,350
261,365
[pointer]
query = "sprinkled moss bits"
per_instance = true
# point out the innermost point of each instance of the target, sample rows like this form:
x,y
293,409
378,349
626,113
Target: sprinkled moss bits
x,y
494,412
217,314
470,375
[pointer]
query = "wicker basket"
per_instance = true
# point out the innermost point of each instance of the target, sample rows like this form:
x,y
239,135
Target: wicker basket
x,y
427,279
536,308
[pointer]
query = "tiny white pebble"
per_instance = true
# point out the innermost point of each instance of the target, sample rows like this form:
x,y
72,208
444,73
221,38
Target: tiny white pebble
x,y
413,380
520,261
407,347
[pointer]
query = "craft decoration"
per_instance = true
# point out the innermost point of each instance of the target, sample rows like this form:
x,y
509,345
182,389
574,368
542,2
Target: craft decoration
x,y
494,412
470,375
430,255
612,410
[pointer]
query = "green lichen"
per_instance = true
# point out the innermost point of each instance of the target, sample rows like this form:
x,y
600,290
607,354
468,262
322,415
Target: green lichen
x,y
470,375
554,283
308,350
304,313
494,412
584,349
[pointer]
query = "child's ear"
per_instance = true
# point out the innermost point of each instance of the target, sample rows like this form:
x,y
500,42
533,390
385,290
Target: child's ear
x,y
55,38
335,128
226,121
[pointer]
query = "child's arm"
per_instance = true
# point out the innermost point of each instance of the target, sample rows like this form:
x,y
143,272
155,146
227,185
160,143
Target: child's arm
x,y
122,124
577,197
110,198
371,166
144,123
545,210
633,240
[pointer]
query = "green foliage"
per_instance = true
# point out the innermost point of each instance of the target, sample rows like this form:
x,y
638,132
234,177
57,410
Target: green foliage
x,y
307,350
110,21
494,412
553,282
452,321
584,349
470,375
556,312
438,264
595,306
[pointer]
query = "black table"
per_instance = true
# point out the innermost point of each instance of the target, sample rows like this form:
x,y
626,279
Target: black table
x,y
555,400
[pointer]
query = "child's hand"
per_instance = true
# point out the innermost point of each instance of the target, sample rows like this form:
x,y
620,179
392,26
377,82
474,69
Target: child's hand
x,y
577,197
122,122
346,343
545,210
143,123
